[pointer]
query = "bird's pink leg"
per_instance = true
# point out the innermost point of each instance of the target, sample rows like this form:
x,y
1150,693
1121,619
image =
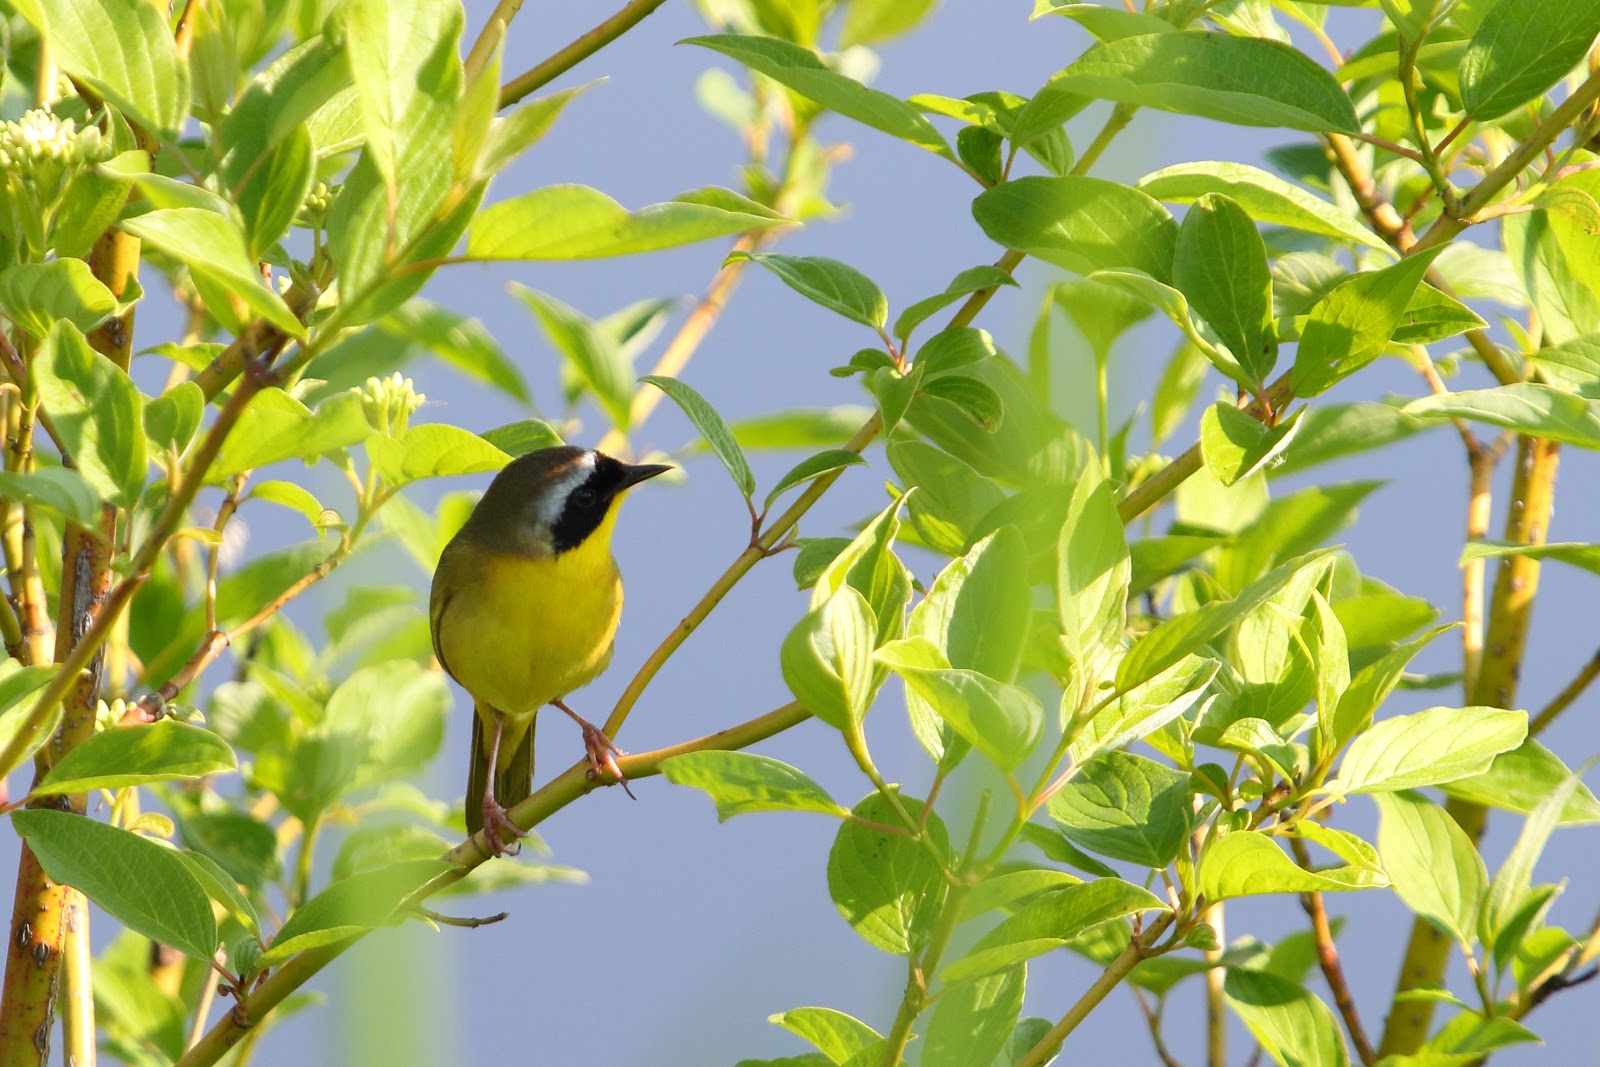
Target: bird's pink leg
x,y
599,750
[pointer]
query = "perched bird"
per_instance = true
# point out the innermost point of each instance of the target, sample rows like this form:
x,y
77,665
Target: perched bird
x,y
524,609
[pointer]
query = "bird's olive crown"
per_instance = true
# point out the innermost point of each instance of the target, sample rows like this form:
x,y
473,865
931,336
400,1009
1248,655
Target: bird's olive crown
x,y
548,501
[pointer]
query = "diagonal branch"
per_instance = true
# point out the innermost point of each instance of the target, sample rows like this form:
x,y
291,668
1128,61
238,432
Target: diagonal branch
x,y
550,799
582,48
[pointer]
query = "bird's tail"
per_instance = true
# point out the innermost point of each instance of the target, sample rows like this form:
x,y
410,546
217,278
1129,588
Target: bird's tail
x,y
513,773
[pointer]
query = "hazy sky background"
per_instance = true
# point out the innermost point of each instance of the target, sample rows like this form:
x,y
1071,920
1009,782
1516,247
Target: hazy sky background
x,y
689,934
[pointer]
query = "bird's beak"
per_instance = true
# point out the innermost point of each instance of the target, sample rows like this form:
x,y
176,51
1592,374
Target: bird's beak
x,y
634,473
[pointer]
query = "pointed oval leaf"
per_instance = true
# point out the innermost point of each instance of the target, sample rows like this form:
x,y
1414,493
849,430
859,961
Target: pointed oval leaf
x,y
712,427
1083,224
433,450
1351,325
97,411
1002,721
1221,266
1248,862
804,71
1126,808
1246,81
60,489
1522,49
837,286
565,222
740,782
143,885
213,247
1433,865
1269,199
162,751
124,51
35,295
812,468
837,1035
352,906
1288,1021
888,887
1429,747
1048,922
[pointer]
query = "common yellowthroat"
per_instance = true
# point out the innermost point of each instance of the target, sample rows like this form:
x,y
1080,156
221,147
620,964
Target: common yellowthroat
x,y
524,609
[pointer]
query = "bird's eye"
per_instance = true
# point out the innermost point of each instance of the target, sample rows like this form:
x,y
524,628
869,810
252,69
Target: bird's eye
x,y
583,497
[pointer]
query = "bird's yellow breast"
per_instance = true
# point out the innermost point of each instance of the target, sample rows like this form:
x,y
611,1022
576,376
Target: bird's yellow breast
x,y
517,632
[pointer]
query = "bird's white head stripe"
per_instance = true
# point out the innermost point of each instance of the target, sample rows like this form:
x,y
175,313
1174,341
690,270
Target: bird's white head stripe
x,y
550,507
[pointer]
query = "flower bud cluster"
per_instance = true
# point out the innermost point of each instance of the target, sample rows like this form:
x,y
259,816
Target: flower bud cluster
x,y
389,402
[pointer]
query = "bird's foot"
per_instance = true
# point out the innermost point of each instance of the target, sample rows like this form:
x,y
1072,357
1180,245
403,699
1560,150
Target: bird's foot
x,y
497,823
603,757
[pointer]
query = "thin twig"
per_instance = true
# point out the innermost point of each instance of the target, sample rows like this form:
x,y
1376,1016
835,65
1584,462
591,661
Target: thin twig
x,y
1138,948
555,795
580,49
1563,700
1328,960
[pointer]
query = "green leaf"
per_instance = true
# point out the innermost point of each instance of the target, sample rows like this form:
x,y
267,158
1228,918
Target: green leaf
x,y
142,884
1431,316
1432,863
1527,407
826,658
36,295
592,353
162,751
869,565
971,280
712,428
1101,312
97,411
352,906
519,438
244,847
1105,23
1221,266
1145,708
1330,431
1295,1028
1371,686
61,489
978,612
1001,720
1269,199
214,250
1246,81
810,469
837,1035
1235,445
1586,556
434,450
513,133
275,427
801,70
740,782
1048,922
972,1022
123,51
1083,224
971,395
293,496
1351,325
1519,780
564,222
92,202
1521,50
221,887
172,419
1248,862
1187,633
1125,808
800,427
403,62
275,195
1509,892
872,21
460,341
1428,747
1092,574
837,286
888,887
